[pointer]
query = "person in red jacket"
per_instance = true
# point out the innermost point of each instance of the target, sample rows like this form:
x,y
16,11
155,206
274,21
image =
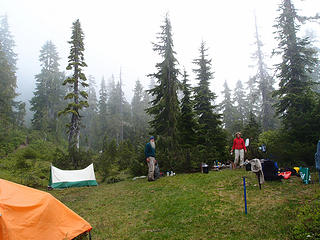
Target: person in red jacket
x,y
239,149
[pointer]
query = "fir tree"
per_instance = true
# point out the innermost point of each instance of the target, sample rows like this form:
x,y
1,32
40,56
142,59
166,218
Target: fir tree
x,y
7,43
227,108
8,79
265,87
102,111
49,93
139,117
187,119
187,123
241,107
165,106
210,137
296,100
252,130
7,89
252,97
78,99
90,117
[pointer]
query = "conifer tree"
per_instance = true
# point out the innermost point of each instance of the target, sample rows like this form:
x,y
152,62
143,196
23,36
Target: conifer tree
x,y
77,98
296,100
252,97
165,106
139,117
49,93
187,123
102,112
251,130
241,107
90,117
227,108
7,43
265,87
187,120
210,137
7,89
8,79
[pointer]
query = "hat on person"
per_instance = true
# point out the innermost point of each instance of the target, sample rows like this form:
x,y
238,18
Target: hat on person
x,y
238,133
152,137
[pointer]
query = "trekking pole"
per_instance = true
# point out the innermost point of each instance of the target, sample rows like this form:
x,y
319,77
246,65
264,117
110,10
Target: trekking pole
x,y
245,195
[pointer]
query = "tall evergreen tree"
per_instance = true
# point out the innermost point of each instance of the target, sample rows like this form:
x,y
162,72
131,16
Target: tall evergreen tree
x,y
78,99
165,106
7,43
252,130
187,123
252,97
90,117
210,137
241,107
102,104
296,101
265,86
187,120
139,117
227,108
8,79
48,96
7,89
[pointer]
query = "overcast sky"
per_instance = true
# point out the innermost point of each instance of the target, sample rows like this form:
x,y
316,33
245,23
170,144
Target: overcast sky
x,y
119,35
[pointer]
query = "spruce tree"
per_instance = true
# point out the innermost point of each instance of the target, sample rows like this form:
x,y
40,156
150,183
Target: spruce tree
x,y
210,137
165,106
296,101
77,99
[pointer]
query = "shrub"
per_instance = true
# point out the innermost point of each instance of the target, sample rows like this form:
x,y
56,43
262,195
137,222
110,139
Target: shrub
x,y
138,166
286,150
29,153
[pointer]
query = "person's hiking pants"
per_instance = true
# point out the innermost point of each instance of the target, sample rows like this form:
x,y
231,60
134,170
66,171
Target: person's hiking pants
x,y
151,164
238,153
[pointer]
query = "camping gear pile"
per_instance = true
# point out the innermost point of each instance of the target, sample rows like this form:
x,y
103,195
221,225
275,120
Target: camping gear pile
x,y
27,213
271,172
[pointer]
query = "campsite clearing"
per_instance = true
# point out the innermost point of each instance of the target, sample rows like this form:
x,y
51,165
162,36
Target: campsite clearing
x,y
193,206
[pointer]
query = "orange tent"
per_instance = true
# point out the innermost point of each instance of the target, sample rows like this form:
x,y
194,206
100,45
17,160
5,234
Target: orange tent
x,y
27,213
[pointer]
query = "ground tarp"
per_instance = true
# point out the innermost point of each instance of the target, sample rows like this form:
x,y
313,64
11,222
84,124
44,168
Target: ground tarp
x,y
27,213
72,178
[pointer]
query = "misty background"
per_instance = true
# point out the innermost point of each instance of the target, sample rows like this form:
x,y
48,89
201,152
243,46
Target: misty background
x,y
119,36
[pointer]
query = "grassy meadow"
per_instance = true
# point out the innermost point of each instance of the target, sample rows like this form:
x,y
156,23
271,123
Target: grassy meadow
x,y
197,206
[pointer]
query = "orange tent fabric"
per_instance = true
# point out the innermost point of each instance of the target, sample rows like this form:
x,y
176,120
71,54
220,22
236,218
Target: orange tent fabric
x,y
27,213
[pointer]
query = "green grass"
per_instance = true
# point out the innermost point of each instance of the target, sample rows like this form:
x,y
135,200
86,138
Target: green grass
x,y
192,206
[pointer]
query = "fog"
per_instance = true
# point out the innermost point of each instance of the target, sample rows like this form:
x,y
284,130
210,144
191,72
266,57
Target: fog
x,y
119,35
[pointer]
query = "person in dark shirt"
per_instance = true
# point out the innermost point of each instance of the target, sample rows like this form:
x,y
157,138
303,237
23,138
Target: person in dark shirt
x,y
150,153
